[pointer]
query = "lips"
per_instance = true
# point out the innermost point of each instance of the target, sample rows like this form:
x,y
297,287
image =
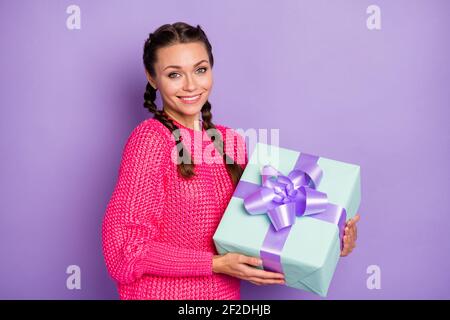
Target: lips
x,y
190,99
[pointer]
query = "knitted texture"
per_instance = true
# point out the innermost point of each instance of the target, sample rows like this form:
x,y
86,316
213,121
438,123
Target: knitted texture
x,y
158,226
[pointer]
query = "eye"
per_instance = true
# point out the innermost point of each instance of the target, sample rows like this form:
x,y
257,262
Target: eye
x,y
203,68
170,75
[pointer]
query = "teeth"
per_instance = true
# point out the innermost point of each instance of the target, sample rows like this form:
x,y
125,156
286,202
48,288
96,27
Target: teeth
x,y
190,99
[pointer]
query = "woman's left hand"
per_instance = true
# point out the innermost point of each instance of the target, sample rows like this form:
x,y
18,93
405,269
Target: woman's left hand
x,y
350,236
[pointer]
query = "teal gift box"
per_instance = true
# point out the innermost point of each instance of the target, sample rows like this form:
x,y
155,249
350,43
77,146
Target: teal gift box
x,y
311,246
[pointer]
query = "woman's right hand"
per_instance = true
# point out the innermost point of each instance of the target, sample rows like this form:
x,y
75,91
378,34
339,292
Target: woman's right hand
x,y
243,267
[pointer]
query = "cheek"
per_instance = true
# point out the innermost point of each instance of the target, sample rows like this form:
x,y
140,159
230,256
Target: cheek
x,y
206,82
170,88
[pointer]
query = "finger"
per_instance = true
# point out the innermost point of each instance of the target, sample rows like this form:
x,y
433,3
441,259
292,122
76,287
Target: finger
x,y
349,233
346,241
350,245
254,282
272,281
350,223
346,249
353,232
266,281
354,220
253,261
351,236
253,272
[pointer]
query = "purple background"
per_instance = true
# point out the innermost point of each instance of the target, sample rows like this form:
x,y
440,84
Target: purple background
x,y
70,98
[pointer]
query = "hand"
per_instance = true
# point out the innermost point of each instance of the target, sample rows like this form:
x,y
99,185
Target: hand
x,y
350,236
243,267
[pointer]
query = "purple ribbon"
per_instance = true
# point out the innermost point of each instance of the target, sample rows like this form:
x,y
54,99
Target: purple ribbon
x,y
283,198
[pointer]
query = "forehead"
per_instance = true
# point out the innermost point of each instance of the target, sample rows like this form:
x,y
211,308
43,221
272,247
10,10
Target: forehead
x,y
181,54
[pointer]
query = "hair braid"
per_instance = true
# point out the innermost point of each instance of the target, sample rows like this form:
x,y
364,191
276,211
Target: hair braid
x,y
233,169
185,169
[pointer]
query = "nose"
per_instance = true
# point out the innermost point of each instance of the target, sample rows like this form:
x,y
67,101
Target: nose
x,y
189,84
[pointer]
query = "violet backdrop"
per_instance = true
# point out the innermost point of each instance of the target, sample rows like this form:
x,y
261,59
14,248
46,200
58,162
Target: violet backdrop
x,y
378,98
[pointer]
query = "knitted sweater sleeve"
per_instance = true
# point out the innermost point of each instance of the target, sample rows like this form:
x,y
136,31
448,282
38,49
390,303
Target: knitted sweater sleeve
x,y
130,226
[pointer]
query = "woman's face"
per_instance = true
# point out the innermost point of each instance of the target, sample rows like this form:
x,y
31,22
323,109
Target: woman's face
x,y
184,79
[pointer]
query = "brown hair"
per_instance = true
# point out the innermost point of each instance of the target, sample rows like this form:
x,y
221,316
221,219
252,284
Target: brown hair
x,y
170,34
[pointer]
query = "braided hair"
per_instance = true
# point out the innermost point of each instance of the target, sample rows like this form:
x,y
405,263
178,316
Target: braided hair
x,y
166,35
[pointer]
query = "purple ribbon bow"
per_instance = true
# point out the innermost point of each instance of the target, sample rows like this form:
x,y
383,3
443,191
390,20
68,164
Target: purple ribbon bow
x,y
283,198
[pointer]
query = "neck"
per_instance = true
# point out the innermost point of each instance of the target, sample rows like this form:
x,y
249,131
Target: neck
x,y
191,122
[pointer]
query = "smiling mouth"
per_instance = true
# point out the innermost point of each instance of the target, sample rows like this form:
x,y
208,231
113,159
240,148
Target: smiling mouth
x,y
190,99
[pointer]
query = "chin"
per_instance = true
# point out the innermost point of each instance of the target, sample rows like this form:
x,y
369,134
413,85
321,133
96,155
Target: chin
x,y
191,110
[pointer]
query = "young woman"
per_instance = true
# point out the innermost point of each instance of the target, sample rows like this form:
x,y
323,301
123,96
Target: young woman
x,y
168,201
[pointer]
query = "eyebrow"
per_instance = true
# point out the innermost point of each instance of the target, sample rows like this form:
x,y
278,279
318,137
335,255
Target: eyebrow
x,y
178,67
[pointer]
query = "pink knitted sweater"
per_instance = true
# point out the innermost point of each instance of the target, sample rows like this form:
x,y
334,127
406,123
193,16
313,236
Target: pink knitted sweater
x,y
158,227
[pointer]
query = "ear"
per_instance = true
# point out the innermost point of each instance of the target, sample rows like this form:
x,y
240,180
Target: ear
x,y
150,79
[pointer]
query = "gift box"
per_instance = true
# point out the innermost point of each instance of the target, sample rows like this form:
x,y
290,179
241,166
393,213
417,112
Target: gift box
x,y
290,208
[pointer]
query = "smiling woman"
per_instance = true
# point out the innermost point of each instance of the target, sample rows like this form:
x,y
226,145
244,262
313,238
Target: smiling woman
x,y
159,224
184,88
